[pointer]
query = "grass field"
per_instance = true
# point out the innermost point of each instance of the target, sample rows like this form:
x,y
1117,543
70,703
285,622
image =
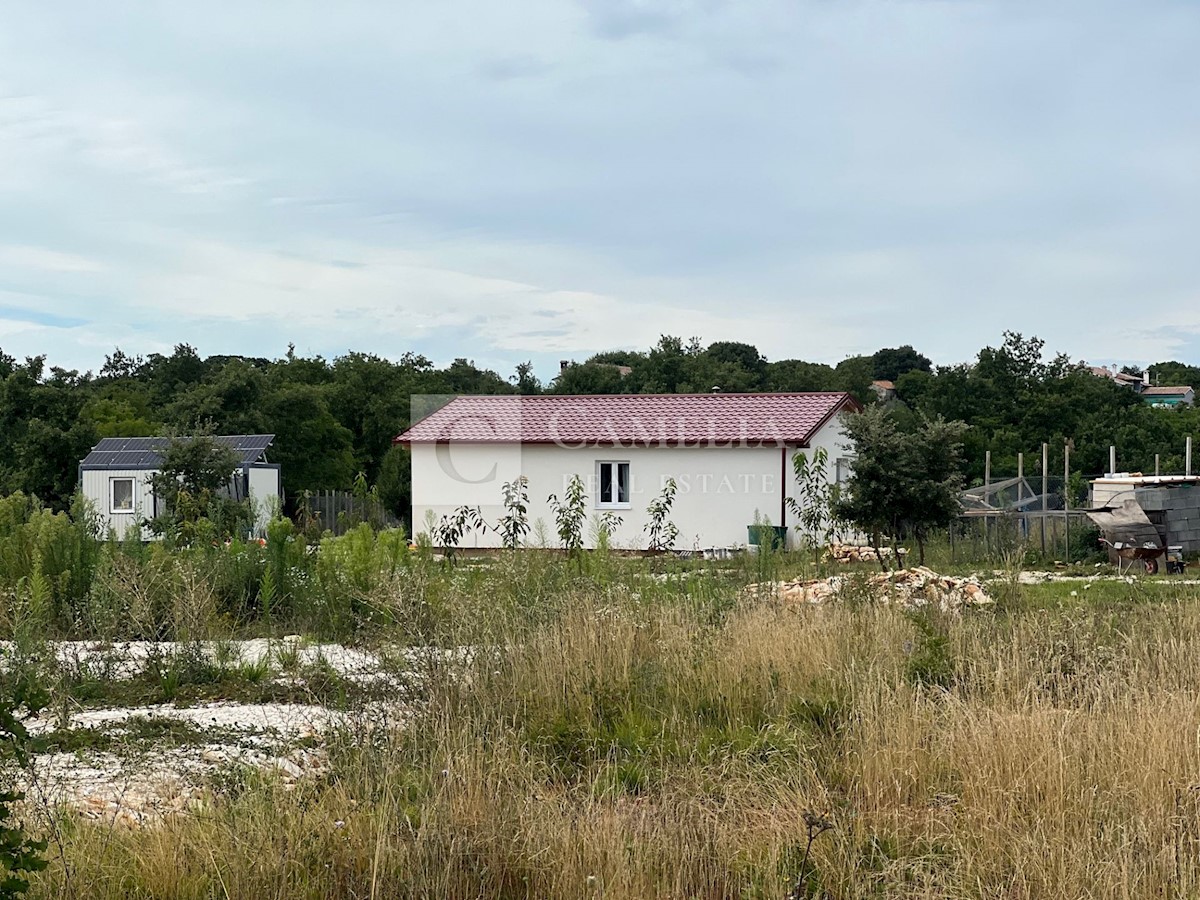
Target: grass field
x,y
627,728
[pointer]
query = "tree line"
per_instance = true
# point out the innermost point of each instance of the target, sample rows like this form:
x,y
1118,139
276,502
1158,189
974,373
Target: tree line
x,y
334,419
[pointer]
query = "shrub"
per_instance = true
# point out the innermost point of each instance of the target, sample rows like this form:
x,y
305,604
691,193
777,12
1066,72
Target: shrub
x,y
661,531
48,553
19,853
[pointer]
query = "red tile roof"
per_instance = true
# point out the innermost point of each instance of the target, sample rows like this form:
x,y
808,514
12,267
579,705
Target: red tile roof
x,y
632,419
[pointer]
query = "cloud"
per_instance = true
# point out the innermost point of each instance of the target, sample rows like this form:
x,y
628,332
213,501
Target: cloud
x,y
44,259
510,68
42,135
21,315
506,182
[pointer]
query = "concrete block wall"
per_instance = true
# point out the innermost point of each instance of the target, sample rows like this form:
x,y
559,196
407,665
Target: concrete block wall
x,y
1181,508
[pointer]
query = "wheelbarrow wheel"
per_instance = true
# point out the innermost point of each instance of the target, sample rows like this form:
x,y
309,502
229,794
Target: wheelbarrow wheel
x,y
1151,566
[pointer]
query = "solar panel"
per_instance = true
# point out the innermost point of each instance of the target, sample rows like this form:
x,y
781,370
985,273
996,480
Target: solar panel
x,y
146,452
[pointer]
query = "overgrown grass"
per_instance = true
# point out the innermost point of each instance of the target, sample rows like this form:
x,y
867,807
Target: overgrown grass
x,y
643,728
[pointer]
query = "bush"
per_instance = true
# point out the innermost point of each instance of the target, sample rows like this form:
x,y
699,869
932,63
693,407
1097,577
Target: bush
x,y
19,854
355,575
48,553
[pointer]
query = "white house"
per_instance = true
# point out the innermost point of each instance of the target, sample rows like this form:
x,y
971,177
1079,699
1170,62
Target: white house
x,y
730,456
116,475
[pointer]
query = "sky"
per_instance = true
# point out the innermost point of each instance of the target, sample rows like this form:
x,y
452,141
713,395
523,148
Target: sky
x,y
545,179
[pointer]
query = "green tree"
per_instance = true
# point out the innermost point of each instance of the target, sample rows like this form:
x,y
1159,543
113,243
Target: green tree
x,y
313,449
525,380
370,396
569,516
43,432
798,375
394,483
192,482
590,378
814,503
892,362
854,375
19,854
231,400
661,532
1174,373
901,482
168,376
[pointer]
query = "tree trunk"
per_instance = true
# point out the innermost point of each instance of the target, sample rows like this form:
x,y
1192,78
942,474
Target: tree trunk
x,y
878,554
920,547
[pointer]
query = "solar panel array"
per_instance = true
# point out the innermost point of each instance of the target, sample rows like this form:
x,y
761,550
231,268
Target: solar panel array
x,y
146,452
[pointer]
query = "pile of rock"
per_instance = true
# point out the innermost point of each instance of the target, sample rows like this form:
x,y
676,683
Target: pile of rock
x,y
854,553
911,588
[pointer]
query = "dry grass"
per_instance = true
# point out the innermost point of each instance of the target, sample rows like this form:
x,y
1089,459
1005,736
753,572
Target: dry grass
x,y
645,746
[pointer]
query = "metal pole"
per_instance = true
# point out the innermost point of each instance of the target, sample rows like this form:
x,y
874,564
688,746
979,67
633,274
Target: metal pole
x,y
987,494
1112,459
1045,490
1156,472
1187,456
1021,494
1067,501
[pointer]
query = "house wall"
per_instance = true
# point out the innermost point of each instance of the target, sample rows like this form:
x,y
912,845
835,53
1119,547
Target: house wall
x,y
839,457
264,485
720,490
1171,400
96,486
265,492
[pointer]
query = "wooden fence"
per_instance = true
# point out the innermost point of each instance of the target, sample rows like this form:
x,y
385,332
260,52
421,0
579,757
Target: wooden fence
x,y
339,511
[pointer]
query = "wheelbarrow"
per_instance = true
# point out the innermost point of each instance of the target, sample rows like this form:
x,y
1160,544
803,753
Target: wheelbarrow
x,y
1133,539
1129,555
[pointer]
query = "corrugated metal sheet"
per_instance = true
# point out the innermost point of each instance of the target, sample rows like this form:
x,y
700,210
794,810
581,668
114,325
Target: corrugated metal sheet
x,y
636,420
146,452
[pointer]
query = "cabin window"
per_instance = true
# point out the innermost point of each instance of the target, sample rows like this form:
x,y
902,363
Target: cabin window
x,y
122,495
613,485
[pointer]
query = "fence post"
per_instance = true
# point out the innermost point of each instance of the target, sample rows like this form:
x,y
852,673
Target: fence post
x,y
1045,489
1067,502
987,494
1021,495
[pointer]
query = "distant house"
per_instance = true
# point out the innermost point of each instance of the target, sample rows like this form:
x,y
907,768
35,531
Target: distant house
x,y
729,454
623,371
1124,379
116,475
884,390
1178,395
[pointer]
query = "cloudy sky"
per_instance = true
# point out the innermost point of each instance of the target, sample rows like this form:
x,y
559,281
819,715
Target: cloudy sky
x,y
542,179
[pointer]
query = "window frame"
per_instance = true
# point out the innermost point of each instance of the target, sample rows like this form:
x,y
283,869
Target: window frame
x,y
843,467
615,473
113,509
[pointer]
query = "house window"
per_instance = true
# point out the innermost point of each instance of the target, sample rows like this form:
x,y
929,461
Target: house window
x,y
613,479
121,495
842,470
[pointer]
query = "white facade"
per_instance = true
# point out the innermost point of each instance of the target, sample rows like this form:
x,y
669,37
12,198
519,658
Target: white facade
x,y
106,489
99,486
265,493
720,490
